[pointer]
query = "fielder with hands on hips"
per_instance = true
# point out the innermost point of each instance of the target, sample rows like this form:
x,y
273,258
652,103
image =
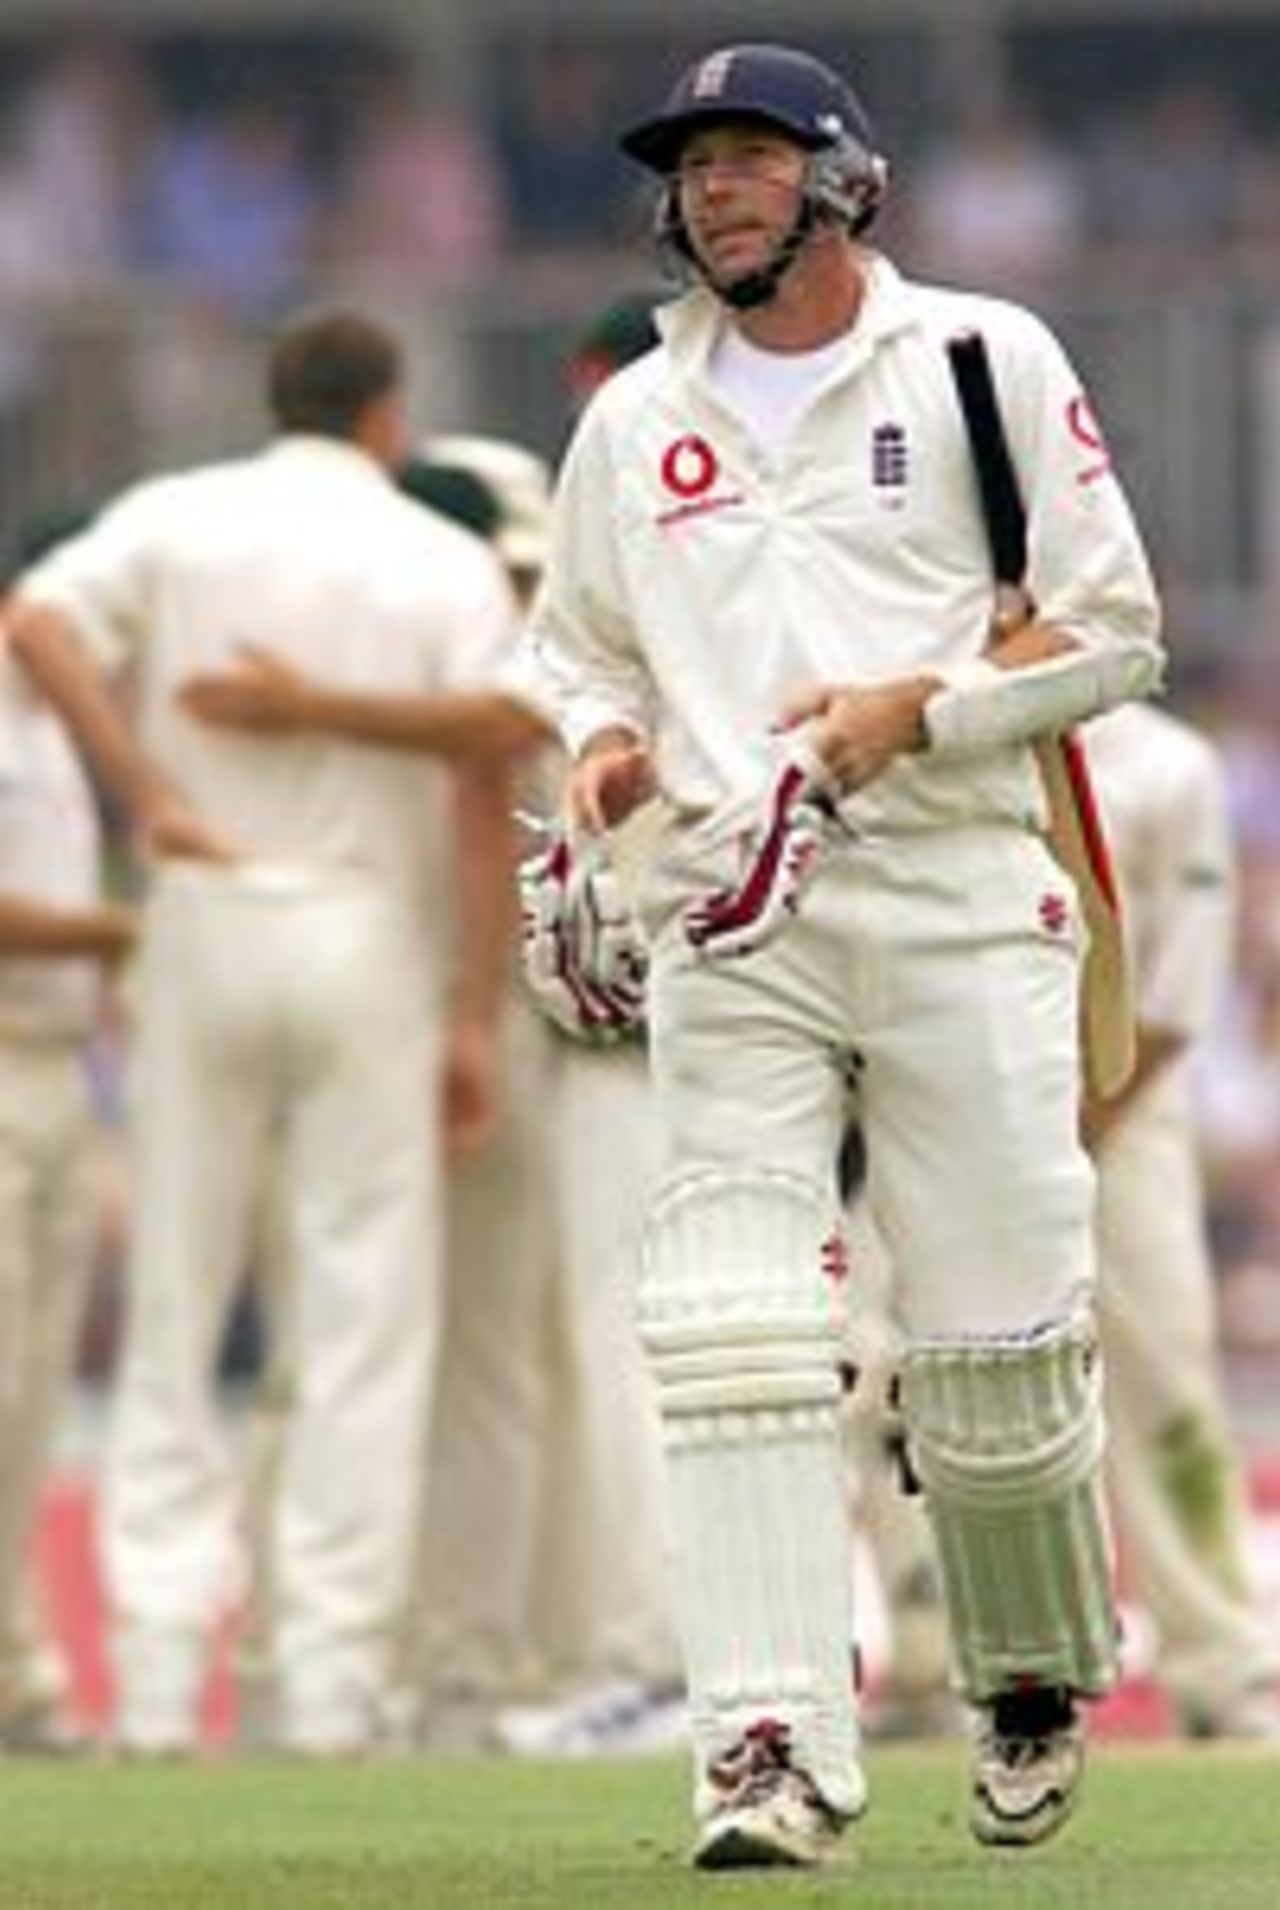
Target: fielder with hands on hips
x,y
768,597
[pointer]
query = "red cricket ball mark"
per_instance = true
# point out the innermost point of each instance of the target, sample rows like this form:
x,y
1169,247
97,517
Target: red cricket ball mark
x,y
1054,914
1083,425
689,466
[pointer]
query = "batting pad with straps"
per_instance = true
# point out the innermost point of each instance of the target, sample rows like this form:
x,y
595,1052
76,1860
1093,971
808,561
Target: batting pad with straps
x,y
740,1320
1006,1438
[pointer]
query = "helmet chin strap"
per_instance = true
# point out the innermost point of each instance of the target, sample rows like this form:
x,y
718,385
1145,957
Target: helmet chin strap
x,y
754,289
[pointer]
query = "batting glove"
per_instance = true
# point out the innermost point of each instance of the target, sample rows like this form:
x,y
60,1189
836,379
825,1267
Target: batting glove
x,y
796,819
585,959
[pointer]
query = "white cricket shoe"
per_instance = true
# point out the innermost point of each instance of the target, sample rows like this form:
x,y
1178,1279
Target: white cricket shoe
x,y
1028,1763
769,1813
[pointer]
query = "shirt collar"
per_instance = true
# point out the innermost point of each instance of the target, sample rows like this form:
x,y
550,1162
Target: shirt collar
x,y
690,325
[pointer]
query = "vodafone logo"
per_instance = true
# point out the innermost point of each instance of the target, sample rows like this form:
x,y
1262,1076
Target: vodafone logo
x,y
689,467
690,472
1085,429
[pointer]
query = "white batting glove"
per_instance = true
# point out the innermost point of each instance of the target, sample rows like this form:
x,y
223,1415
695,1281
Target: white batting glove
x,y
585,959
796,818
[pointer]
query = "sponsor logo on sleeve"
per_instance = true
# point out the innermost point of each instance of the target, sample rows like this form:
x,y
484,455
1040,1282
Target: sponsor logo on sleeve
x,y
1085,431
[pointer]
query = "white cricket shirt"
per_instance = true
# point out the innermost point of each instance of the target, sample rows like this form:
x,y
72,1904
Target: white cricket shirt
x,y
697,580
307,549
1162,794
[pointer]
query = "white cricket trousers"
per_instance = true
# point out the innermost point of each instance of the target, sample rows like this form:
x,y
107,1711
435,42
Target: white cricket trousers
x,y
46,1246
285,1015
934,978
487,1443
605,1598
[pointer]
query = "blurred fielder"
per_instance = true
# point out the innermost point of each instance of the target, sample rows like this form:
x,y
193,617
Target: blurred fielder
x,y
540,1563
57,935
291,1010
1174,1472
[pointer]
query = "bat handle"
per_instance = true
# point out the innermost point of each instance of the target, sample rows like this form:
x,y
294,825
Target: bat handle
x,y
1014,607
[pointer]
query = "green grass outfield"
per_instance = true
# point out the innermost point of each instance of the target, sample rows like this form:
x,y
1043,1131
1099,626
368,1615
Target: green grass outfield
x,y
1160,1829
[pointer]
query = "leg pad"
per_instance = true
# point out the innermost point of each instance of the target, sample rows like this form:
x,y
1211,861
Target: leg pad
x,y
741,1323
1006,1437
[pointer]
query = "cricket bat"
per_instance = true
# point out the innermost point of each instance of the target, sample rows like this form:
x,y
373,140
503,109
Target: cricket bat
x,y
1077,835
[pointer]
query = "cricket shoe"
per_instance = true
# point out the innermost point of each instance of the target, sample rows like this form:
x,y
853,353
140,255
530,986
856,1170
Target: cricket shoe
x,y
768,1812
1028,1763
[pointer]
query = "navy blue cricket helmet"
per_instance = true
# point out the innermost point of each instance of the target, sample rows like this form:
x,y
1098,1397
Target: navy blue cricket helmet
x,y
798,96
778,85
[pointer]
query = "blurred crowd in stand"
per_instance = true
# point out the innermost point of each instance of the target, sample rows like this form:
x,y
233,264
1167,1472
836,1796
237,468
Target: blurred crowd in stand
x,y
118,163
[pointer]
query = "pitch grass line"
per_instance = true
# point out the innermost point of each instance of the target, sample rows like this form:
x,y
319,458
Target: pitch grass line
x,y
1172,1829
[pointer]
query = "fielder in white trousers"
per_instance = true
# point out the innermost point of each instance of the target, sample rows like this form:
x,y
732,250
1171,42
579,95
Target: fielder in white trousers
x,y
605,1600
292,1013
538,1561
1175,1472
